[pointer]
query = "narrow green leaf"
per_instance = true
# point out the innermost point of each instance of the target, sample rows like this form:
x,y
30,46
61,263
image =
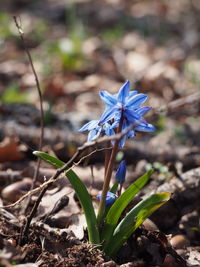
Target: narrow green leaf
x,y
134,219
87,206
50,159
120,204
82,194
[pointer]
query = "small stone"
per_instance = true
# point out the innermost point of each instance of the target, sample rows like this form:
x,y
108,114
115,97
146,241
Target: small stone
x,y
179,241
14,191
135,263
109,264
149,225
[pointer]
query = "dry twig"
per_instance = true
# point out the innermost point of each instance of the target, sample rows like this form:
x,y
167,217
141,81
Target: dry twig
x,y
21,34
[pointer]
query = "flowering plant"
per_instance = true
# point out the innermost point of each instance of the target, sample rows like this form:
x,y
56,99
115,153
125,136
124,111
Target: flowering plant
x,y
123,116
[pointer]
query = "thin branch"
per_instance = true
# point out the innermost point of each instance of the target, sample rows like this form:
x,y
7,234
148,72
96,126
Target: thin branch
x,y
180,102
21,34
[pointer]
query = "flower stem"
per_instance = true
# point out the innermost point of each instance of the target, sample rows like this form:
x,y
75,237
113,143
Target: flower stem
x,y
108,177
120,190
107,157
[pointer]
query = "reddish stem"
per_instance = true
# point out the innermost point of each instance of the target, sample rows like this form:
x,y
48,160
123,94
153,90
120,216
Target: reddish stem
x,y
108,176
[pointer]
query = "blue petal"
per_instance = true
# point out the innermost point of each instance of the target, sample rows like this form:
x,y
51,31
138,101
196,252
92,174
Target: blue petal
x,y
127,124
115,124
108,114
131,134
136,100
117,118
121,172
122,141
92,135
132,116
143,110
132,93
123,92
89,126
109,131
110,198
94,125
145,128
108,98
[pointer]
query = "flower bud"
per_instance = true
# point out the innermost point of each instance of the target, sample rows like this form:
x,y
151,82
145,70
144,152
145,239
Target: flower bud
x,y
110,198
121,172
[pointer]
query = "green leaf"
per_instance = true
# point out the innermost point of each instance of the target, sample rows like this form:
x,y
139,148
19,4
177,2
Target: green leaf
x,y
87,206
120,204
55,162
134,219
82,194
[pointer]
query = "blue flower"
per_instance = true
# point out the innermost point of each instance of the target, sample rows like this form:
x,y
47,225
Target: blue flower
x,y
121,172
126,103
110,198
95,129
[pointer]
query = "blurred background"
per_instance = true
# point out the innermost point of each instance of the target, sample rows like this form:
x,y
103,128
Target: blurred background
x,y
80,47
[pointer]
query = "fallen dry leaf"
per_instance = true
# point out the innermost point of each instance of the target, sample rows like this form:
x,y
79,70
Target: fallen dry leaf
x,y
10,150
78,224
49,200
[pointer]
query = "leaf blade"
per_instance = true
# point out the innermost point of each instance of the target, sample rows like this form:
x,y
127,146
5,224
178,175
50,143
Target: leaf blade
x,y
82,194
121,203
134,219
55,162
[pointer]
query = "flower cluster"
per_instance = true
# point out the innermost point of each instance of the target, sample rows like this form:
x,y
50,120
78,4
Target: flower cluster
x,y
124,106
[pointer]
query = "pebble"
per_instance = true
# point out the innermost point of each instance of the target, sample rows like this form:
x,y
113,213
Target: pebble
x,y
179,241
8,176
149,225
109,264
135,263
14,191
